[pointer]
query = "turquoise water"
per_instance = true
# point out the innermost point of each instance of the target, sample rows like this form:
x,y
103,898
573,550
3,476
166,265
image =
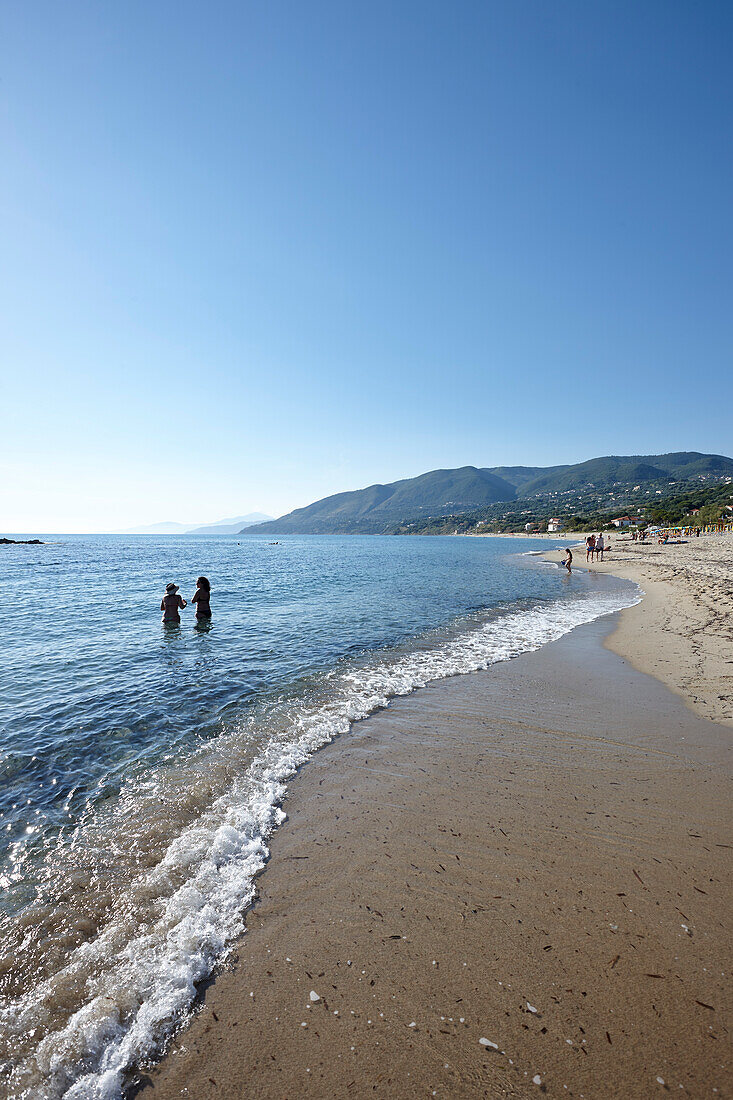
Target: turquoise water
x,y
142,765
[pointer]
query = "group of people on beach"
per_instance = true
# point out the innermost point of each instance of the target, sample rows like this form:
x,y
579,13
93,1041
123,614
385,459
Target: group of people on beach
x,y
173,602
595,545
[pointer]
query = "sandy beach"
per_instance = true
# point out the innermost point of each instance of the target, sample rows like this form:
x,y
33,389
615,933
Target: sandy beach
x,y
512,882
682,632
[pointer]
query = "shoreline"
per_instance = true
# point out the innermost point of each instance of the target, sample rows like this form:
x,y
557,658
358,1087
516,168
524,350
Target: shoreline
x,y
481,849
682,631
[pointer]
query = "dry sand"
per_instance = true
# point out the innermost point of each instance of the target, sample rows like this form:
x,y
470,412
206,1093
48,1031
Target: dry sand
x,y
682,632
538,856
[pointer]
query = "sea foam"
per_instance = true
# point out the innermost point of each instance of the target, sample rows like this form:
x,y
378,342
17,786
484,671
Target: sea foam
x,y
136,981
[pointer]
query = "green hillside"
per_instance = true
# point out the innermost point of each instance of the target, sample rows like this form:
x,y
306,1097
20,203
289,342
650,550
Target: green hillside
x,y
521,476
627,470
441,493
379,506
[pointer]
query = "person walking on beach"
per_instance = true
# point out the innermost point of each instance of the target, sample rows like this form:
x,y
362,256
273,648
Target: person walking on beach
x,y
568,560
171,603
600,547
590,545
201,598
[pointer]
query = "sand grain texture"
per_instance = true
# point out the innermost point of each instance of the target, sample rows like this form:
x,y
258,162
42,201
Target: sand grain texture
x,y
538,856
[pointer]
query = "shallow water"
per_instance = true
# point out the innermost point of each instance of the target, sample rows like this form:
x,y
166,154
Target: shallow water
x,y
142,766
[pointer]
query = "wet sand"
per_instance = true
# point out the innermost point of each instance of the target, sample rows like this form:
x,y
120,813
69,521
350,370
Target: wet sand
x,y
682,632
538,856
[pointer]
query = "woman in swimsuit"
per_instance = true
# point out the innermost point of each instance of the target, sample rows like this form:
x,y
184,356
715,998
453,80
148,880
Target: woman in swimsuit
x,y
201,598
171,603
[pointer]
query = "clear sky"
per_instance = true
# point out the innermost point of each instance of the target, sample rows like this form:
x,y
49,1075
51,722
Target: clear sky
x,y
255,253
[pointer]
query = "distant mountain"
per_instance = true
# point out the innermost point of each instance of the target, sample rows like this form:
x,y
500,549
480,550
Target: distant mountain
x,y
156,529
520,476
378,506
628,470
230,526
222,527
450,492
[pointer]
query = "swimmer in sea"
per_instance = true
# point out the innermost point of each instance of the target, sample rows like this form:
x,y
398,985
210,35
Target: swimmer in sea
x,y
171,603
201,598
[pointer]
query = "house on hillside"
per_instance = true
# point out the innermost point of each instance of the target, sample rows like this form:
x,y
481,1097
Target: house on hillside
x,y
622,521
555,525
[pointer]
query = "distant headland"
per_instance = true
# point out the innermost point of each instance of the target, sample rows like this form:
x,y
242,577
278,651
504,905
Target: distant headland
x,y
602,492
222,527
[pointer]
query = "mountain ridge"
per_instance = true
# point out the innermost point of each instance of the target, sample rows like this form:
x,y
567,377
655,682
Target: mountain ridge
x,y
230,526
378,508
222,527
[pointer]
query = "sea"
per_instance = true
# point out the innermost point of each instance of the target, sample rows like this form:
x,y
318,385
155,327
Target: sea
x,y
143,766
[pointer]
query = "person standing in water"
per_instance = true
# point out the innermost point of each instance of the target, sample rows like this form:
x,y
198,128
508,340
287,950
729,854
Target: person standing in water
x,y
568,560
171,603
201,598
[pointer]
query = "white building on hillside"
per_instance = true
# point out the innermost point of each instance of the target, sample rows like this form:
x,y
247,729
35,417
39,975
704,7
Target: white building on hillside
x,y
555,525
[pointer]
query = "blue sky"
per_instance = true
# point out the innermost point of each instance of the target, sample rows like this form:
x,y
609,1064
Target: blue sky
x,y
257,253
